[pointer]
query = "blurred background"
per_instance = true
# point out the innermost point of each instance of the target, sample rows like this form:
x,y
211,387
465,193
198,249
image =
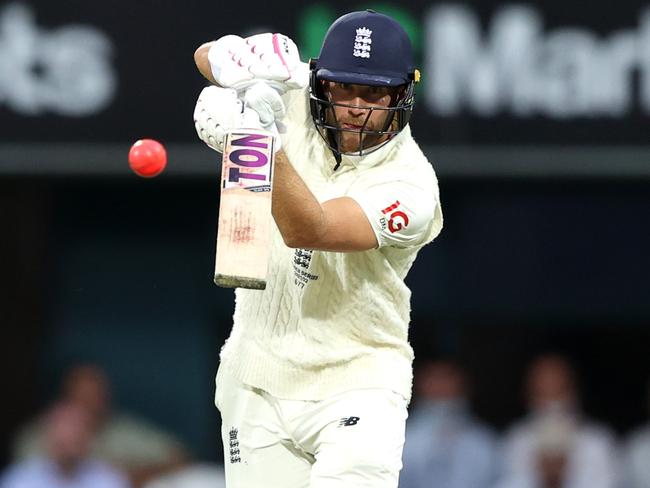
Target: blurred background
x,y
531,311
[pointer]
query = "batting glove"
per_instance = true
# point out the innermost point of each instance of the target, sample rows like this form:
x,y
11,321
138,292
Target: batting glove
x,y
218,111
266,101
238,63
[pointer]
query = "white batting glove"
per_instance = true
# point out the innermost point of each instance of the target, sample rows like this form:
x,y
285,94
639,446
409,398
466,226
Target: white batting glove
x,y
218,110
237,63
266,101
251,120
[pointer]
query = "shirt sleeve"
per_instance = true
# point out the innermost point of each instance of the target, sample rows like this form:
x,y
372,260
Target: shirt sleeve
x,y
401,213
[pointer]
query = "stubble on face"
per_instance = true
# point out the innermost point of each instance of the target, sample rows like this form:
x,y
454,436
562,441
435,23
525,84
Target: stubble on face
x,y
361,109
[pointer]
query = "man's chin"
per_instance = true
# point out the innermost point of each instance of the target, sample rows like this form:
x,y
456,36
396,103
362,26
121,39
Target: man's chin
x,y
353,143
351,147
348,146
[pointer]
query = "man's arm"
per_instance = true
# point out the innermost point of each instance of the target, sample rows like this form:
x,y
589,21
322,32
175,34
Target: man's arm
x,y
202,62
337,225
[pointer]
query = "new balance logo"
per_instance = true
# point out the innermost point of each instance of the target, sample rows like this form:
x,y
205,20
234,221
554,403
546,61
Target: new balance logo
x,y
348,421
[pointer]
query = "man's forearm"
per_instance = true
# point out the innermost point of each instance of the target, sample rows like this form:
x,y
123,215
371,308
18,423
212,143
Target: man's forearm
x,y
296,211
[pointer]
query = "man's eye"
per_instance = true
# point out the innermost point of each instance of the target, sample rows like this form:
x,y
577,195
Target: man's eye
x,y
377,92
344,86
380,91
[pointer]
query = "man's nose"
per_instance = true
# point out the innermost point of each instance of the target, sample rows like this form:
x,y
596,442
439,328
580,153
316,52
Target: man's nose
x,y
356,110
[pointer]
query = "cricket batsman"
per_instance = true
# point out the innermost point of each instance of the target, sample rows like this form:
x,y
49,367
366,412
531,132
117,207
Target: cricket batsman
x,y
315,378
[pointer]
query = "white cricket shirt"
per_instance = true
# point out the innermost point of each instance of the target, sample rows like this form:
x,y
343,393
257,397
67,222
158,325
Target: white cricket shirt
x,y
329,322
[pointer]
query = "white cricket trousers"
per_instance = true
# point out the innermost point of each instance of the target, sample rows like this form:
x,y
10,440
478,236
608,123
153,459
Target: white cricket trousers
x,y
351,440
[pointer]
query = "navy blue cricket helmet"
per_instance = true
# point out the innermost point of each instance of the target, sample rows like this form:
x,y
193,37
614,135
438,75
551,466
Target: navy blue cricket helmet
x,y
363,48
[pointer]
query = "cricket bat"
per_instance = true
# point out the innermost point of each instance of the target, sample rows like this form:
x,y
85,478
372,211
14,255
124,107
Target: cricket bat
x,y
244,228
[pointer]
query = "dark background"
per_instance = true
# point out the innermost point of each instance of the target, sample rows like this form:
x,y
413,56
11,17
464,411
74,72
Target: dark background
x,y
97,264
119,271
153,42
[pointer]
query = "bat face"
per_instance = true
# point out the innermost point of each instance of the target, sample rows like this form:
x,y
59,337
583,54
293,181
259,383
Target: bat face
x,y
244,231
247,161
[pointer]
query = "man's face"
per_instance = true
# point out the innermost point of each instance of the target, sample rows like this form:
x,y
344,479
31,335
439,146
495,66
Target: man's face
x,y
551,383
440,381
68,435
353,117
88,387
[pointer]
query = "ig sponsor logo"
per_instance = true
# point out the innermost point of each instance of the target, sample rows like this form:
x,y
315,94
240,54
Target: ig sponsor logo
x,y
397,219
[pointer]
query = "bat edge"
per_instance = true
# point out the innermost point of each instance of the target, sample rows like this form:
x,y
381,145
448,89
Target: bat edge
x,y
227,281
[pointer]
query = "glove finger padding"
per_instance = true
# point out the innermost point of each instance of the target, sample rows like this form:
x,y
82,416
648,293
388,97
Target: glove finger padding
x,y
217,110
280,55
266,101
237,63
228,67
